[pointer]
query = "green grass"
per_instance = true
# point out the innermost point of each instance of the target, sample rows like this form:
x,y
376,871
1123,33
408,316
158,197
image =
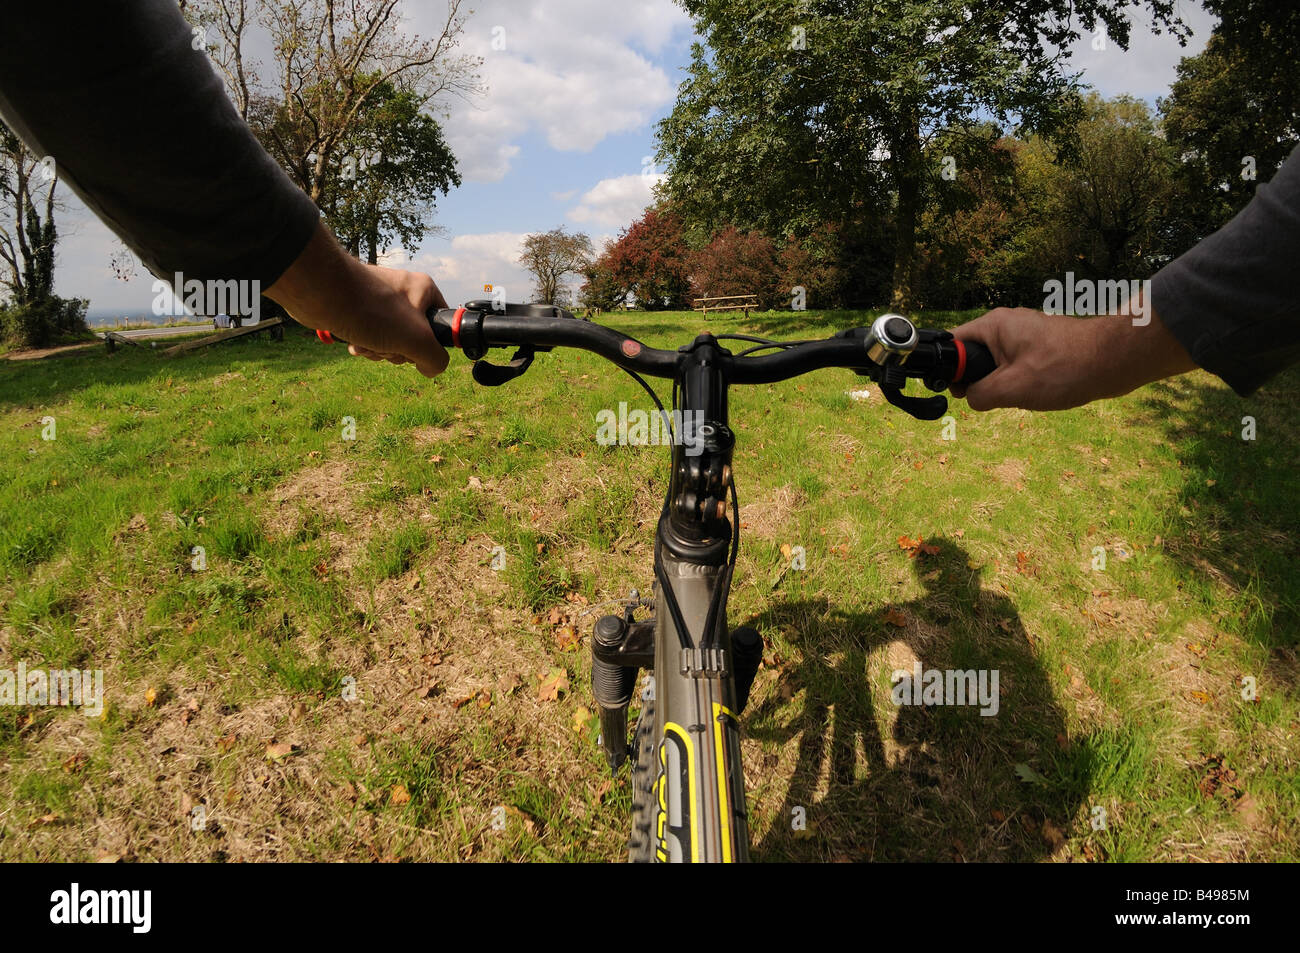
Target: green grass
x,y
333,564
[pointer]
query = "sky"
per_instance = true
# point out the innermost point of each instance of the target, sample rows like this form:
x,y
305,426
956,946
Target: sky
x,y
562,136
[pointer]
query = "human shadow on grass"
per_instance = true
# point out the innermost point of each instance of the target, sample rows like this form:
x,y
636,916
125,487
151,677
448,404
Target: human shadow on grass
x,y
876,780
1236,520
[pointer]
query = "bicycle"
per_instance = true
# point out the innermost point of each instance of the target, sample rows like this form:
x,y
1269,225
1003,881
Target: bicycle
x,y
688,798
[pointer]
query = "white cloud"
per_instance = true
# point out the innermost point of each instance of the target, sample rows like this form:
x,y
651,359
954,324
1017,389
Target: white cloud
x,y
616,202
1147,68
468,262
575,71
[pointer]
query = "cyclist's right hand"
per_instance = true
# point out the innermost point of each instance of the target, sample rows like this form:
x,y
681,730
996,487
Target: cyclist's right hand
x,y
1055,362
1044,361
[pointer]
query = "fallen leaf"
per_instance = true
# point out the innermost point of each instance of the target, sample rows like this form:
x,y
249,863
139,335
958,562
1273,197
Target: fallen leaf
x,y
1200,697
895,618
298,713
580,718
567,637
227,742
150,696
1028,775
279,750
553,684
398,796
75,763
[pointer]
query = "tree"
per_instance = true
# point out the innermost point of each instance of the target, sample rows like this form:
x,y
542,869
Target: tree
x,y
333,58
738,263
601,288
549,256
821,114
28,237
395,166
1233,113
649,260
347,84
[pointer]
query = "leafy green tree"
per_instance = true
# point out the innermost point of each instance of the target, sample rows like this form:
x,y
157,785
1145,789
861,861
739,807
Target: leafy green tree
x,y
793,116
1233,114
35,316
394,165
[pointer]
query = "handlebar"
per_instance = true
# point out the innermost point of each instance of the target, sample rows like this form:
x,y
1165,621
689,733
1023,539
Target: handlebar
x,y
890,351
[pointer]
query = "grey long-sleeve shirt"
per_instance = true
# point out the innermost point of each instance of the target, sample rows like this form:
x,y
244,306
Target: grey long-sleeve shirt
x,y
139,126
1233,301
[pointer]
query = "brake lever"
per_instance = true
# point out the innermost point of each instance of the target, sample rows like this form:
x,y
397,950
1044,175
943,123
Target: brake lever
x,y
494,375
922,408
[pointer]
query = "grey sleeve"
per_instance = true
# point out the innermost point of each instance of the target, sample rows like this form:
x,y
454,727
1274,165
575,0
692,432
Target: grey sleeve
x,y
139,126
1233,301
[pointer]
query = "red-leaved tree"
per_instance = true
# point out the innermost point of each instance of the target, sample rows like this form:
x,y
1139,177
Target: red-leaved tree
x,y
738,263
649,260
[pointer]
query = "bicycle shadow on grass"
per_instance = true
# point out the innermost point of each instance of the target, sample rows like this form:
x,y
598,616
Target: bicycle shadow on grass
x,y
875,780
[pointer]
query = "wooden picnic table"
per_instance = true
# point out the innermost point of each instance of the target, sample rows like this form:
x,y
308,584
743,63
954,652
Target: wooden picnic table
x,y
746,303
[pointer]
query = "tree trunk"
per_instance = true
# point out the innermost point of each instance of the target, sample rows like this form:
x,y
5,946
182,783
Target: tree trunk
x,y
905,157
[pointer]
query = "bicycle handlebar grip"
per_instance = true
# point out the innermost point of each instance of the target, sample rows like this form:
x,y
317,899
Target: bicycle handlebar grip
x,y
443,320
978,364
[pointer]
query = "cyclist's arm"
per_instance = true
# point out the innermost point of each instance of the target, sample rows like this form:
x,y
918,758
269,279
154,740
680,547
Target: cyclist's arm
x,y
1233,301
1230,305
139,126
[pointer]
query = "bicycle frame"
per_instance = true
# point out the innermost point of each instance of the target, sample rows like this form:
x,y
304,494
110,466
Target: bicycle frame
x,y
700,787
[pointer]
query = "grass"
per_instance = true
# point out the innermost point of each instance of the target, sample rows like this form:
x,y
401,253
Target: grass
x,y
324,593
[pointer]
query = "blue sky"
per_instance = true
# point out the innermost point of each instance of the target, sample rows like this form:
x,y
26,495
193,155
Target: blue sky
x,y
560,136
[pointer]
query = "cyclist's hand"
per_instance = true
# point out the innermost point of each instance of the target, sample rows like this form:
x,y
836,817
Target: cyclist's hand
x,y
1054,362
379,311
1044,361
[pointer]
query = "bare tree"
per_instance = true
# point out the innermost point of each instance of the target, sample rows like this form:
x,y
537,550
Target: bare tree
x,y
232,20
549,256
27,238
